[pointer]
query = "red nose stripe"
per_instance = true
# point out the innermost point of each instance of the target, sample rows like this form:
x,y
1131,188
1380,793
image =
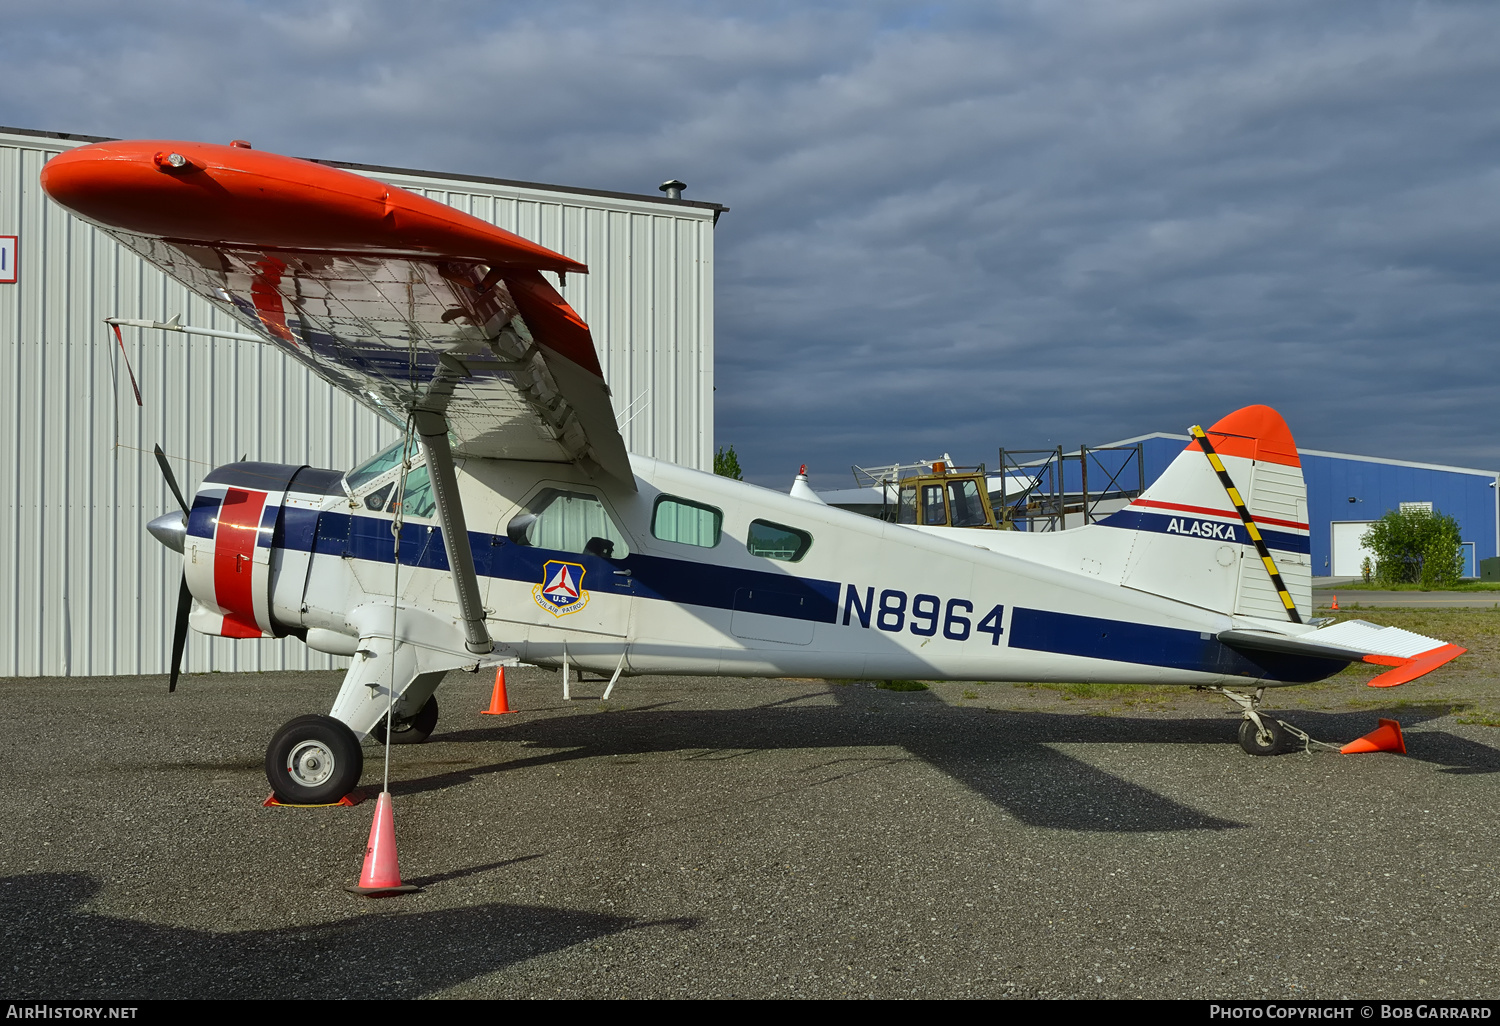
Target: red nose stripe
x,y
234,561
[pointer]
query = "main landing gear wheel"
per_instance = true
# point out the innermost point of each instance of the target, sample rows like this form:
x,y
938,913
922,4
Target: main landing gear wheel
x,y
313,760
1270,738
413,731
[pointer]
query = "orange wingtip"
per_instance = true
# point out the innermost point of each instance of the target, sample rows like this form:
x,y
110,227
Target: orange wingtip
x,y
1410,669
1253,433
229,195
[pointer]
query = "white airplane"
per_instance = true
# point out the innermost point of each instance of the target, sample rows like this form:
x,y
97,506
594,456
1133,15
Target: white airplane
x,y
512,525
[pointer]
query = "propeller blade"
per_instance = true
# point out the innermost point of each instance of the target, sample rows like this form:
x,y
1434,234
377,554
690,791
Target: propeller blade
x,y
179,630
166,472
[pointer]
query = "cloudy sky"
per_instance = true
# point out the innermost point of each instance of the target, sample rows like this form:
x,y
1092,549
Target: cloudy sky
x,y
955,226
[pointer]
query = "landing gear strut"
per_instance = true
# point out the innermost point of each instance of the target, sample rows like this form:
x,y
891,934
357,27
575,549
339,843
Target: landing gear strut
x,y
1262,735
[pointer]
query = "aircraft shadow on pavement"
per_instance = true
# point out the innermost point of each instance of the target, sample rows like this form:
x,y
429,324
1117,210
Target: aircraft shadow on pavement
x,y
1005,757
53,948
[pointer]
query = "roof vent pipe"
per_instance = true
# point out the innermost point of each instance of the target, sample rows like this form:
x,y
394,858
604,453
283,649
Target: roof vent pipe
x,y
673,189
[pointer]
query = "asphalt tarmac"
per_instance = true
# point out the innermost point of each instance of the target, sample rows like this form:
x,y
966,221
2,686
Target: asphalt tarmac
x,y
722,838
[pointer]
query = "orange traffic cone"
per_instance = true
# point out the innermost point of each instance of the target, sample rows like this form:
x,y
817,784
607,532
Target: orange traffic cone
x,y
1335,603
1384,738
381,876
498,705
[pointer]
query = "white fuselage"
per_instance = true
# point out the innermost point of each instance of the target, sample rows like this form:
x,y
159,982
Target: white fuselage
x,y
866,599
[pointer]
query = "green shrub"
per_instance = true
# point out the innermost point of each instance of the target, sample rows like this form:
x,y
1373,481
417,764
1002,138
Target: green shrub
x,y
1414,546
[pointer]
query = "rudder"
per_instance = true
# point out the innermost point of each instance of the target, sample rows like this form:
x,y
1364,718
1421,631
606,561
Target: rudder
x,y
1192,545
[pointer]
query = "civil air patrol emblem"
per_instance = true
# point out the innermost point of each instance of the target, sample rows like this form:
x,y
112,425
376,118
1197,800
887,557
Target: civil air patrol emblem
x,y
561,591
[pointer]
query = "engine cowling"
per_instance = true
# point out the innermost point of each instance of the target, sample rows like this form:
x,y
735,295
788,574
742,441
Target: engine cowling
x,y
228,551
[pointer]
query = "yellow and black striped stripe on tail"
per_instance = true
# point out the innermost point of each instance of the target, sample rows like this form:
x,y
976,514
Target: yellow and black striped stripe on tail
x,y
1239,506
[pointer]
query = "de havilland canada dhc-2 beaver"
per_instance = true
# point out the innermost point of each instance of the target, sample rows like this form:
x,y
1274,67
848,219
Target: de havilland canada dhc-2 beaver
x,y
511,524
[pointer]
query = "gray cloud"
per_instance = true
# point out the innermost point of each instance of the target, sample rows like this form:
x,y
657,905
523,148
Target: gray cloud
x,y
955,226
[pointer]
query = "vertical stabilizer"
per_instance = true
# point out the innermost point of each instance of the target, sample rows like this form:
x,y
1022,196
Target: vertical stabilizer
x,y
1192,545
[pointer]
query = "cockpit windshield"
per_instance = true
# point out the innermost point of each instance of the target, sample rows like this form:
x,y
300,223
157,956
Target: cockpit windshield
x,y
373,467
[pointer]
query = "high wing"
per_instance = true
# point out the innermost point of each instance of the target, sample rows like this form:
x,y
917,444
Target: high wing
x,y
404,303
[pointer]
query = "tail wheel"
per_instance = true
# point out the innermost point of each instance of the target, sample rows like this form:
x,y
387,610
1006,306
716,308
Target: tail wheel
x,y
313,760
411,731
1270,739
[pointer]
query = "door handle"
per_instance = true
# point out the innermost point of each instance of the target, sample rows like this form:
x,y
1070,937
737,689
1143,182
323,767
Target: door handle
x,y
622,573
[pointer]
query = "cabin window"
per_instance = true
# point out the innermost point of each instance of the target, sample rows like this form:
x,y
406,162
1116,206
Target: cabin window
x,y
965,504
687,523
574,522
906,509
777,541
932,505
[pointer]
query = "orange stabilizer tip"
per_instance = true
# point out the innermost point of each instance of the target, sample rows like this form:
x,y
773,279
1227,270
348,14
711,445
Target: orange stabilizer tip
x,y
499,706
1384,738
381,875
1410,669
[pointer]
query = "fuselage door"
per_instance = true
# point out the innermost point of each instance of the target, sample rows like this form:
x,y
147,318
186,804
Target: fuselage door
x,y
564,564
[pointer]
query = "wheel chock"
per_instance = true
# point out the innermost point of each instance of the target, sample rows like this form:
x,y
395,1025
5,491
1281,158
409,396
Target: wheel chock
x,y
1384,738
349,800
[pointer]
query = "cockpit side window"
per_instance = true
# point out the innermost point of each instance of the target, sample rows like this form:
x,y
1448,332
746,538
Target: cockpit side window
x,y
568,521
420,502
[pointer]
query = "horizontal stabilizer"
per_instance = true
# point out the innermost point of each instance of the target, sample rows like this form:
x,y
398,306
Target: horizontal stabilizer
x,y
1410,654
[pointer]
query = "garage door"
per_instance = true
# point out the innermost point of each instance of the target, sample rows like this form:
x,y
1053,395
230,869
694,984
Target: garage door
x,y
1348,553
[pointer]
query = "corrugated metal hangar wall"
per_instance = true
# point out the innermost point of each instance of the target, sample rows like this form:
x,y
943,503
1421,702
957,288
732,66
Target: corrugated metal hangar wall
x,y
83,589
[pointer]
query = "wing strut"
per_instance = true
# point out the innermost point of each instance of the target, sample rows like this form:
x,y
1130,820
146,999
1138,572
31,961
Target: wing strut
x,y
1244,512
432,429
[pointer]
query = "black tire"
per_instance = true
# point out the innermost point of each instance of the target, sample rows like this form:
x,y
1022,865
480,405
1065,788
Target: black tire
x,y
313,760
413,731
1252,743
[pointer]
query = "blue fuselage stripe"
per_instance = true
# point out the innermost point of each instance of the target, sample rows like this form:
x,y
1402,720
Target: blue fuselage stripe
x,y
1040,630
1201,527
